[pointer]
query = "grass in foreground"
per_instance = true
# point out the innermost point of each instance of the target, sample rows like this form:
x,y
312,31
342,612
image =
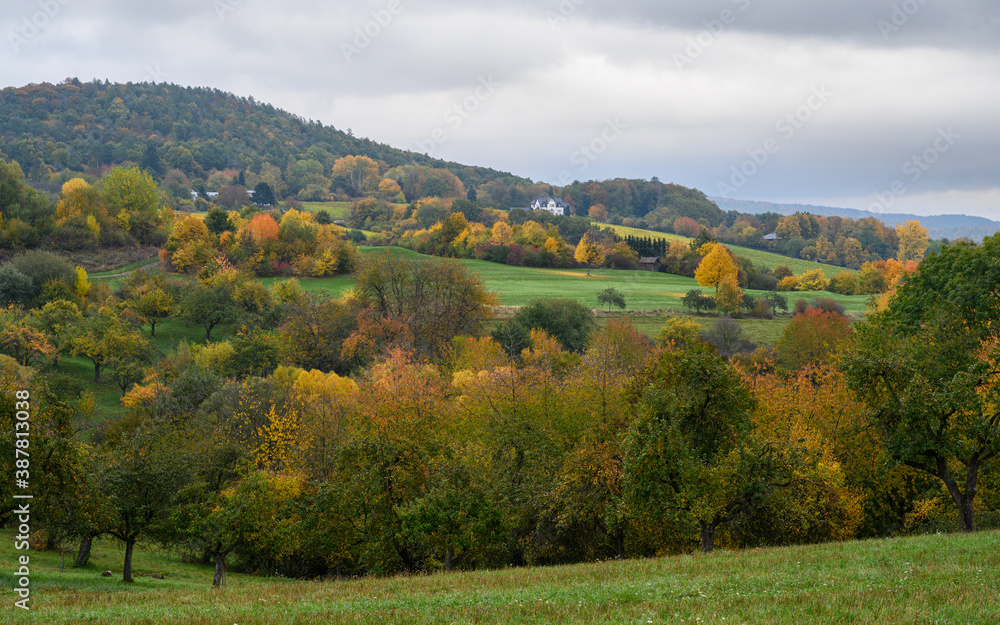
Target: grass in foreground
x,y
932,579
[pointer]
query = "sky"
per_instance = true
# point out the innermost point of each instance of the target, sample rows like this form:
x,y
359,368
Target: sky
x,y
882,105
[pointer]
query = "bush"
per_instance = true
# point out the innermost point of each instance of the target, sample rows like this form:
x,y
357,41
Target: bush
x,y
727,337
569,321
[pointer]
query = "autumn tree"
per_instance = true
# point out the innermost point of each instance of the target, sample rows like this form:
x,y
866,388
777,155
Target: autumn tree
x,y
716,266
131,197
360,172
431,300
589,252
913,240
812,337
105,339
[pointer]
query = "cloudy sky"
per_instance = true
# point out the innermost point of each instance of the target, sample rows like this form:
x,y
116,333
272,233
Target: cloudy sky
x,y
888,105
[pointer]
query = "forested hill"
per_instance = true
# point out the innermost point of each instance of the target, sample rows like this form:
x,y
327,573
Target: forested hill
x,y
83,127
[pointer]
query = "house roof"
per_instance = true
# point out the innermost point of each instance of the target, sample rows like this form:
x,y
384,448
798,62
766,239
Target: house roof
x,y
649,260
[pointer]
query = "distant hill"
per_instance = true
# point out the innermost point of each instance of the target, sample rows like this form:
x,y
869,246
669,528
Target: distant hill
x,y
84,127
938,226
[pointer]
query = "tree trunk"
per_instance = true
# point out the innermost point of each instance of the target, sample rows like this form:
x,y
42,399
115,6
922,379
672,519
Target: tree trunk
x,y
83,555
707,536
220,570
97,373
127,570
152,328
966,515
449,555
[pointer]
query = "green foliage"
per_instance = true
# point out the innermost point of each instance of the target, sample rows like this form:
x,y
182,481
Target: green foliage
x,y
689,454
926,367
612,297
569,321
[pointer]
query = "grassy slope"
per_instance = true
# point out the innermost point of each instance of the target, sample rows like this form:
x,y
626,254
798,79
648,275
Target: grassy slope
x,y
759,257
931,579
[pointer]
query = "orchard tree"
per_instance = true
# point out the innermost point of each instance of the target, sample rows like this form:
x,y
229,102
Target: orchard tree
x,y
927,370
612,297
141,476
690,455
431,300
589,252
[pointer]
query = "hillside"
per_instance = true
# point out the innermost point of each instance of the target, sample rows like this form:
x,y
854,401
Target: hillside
x,y
80,126
938,226
928,579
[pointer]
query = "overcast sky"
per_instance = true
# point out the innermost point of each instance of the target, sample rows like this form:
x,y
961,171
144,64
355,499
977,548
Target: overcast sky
x,y
890,105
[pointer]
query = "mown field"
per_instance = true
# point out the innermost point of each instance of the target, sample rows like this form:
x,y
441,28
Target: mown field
x,y
947,578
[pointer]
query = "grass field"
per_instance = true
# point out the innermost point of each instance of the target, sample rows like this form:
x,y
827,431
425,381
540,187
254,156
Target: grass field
x,y
644,290
947,578
337,210
759,257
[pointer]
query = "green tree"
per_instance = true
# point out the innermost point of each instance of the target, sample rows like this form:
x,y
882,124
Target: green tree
x,y
927,368
612,297
208,306
141,476
689,454
569,321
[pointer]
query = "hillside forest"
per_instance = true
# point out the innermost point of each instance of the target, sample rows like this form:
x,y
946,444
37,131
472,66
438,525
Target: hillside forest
x,y
405,426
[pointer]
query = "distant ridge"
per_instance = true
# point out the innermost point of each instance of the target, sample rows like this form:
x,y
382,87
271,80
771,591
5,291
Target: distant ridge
x,y
938,226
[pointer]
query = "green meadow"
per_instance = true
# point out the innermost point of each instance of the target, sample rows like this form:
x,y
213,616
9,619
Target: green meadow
x,y
644,290
759,257
945,578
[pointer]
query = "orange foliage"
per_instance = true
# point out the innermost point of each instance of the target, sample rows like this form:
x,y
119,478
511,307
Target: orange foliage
x,y
263,228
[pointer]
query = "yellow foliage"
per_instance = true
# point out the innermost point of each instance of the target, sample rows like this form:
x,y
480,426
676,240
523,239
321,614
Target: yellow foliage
x,y
716,266
502,234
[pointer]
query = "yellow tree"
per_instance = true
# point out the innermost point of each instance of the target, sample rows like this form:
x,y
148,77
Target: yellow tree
x,y
715,267
360,171
324,402
589,252
912,240
728,295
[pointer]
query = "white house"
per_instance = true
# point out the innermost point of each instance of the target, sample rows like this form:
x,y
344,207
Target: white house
x,y
554,205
